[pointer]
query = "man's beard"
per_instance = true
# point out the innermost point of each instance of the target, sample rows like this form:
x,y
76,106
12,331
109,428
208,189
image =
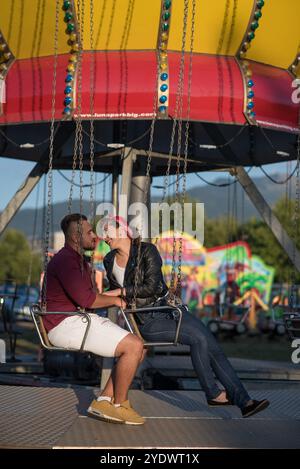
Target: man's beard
x,y
89,248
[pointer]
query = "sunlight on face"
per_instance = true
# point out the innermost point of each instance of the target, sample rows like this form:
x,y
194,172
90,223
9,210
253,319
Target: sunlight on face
x,y
114,236
89,239
111,232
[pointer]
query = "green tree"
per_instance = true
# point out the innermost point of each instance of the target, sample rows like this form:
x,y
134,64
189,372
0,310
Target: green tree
x,y
264,244
15,256
220,231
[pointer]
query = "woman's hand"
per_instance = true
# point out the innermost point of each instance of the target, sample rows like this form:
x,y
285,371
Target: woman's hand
x,y
116,292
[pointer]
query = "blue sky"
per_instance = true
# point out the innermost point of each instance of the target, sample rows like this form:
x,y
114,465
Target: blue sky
x,y
13,173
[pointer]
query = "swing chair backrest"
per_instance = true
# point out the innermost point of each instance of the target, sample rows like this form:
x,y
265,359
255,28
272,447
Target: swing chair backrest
x,y
129,317
44,332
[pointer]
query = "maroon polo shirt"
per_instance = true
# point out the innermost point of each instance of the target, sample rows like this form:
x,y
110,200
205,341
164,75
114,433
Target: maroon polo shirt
x,y
69,285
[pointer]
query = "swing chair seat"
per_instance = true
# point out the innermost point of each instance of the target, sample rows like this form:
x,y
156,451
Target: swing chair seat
x,y
37,316
128,315
292,324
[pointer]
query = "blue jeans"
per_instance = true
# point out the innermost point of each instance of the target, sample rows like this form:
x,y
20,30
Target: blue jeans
x,y
206,354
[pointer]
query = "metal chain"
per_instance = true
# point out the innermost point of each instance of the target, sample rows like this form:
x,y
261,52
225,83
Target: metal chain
x,y
80,16
167,174
92,106
148,168
80,3
127,144
229,227
293,295
179,100
186,146
77,119
228,231
96,183
228,142
180,78
43,227
35,145
284,181
51,155
70,201
92,134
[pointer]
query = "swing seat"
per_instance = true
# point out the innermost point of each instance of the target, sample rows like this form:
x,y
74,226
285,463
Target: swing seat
x,y
37,317
292,324
128,315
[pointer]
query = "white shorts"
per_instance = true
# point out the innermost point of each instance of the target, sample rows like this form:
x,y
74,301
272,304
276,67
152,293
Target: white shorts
x,y
102,339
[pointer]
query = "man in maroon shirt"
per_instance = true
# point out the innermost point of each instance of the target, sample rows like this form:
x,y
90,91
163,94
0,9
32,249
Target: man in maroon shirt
x,y
69,287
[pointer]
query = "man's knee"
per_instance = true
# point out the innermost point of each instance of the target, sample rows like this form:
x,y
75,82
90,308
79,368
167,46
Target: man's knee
x,y
131,344
138,344
144,353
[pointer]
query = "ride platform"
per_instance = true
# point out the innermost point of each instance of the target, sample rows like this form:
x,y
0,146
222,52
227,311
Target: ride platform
x,y
56,417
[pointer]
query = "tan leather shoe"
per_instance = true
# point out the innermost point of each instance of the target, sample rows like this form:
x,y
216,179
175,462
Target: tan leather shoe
x,y
129,415
104,410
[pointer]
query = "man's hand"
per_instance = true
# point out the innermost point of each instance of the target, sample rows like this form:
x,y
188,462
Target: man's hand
x,y
120,303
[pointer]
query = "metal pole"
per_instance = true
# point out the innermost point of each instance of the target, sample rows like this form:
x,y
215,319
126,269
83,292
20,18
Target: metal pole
x,y
115,183
21,195
129,156
140,183
267,215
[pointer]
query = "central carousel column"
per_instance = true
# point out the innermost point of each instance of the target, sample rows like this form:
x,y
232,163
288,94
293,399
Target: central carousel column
x,y
139,210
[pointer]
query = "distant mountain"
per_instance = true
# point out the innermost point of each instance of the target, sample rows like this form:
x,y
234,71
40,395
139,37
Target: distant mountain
x,y
219,201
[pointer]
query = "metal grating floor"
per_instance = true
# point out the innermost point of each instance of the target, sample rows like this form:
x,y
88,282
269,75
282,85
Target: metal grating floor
x,y
35,417
183,433
56,417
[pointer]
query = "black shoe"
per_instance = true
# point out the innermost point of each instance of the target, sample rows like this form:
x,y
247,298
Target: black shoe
x,y
213,403
255,407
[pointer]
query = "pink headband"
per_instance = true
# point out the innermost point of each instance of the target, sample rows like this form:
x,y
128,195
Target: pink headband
x,y
121,222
